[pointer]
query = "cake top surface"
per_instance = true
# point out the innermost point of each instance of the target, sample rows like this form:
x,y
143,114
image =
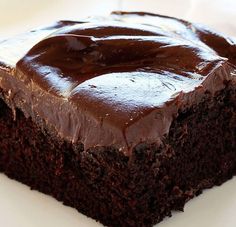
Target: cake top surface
x,y
127,72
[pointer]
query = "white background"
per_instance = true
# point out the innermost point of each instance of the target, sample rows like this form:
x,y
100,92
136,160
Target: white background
x,y
21,15
21,207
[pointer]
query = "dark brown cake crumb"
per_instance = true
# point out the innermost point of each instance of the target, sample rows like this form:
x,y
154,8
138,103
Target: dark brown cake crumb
x,y
117,190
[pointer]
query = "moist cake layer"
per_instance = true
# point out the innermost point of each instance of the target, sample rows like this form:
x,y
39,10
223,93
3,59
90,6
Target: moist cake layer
x,y
135,191
102,81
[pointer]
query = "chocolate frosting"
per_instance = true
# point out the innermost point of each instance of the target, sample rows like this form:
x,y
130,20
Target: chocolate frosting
x,y
119,80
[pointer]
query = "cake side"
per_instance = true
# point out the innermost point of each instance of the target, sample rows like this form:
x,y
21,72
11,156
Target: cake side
x,y
139,190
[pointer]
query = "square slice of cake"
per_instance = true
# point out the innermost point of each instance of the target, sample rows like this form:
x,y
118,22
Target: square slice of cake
x,y
125,118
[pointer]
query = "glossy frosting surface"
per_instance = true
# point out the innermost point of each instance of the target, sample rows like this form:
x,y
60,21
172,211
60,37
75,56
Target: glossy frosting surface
x,y
122,78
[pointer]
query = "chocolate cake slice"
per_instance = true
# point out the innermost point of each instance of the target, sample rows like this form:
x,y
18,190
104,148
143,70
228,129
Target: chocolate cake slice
x,y
125,118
